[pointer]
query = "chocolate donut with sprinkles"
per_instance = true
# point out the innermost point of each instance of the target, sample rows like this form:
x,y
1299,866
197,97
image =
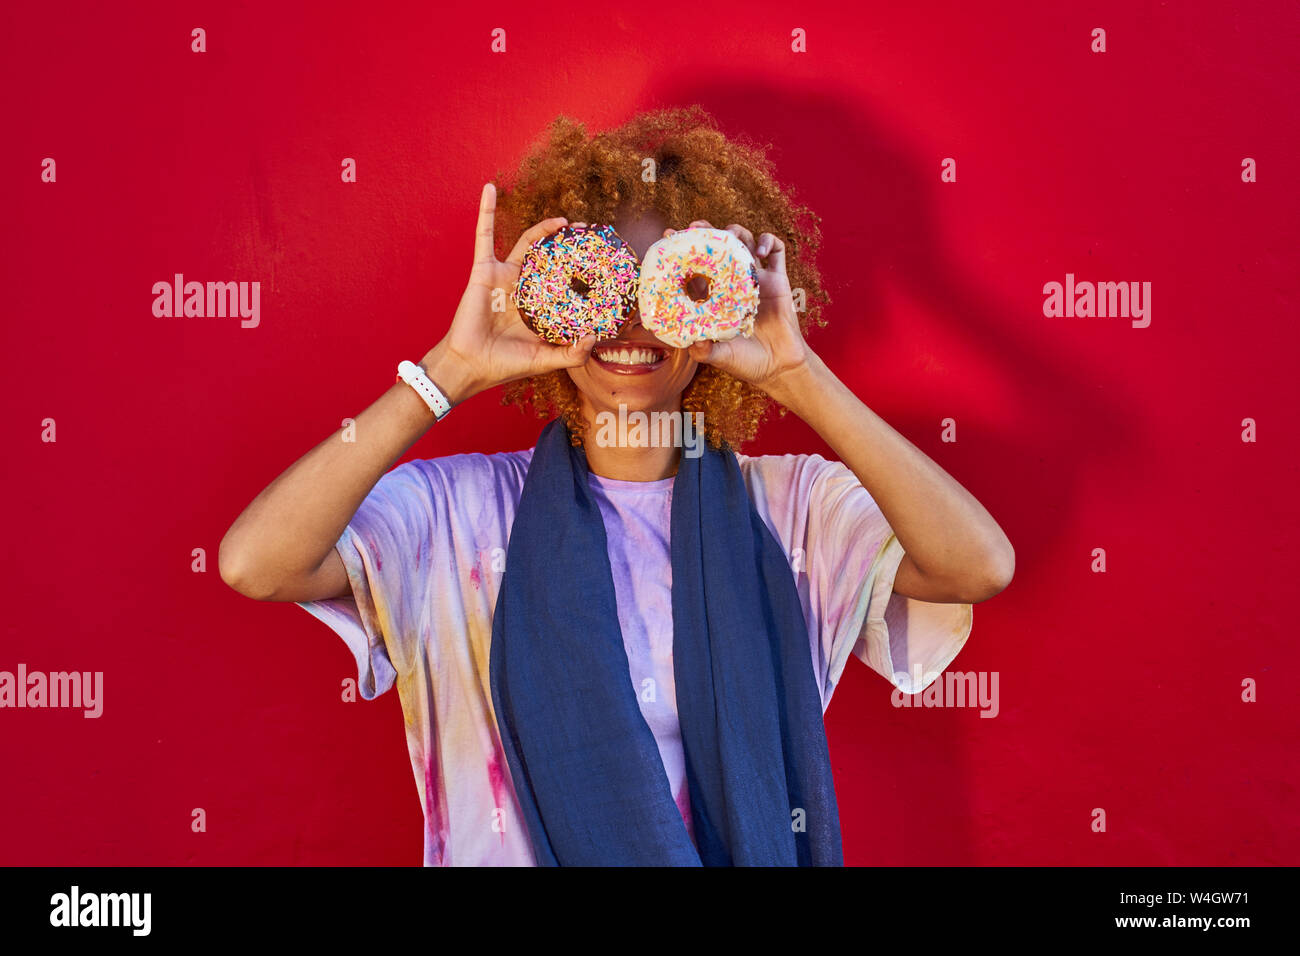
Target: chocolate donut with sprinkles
x,y
671,314
577,280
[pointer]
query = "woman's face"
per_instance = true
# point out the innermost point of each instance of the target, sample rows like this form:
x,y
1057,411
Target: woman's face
x,y
635,369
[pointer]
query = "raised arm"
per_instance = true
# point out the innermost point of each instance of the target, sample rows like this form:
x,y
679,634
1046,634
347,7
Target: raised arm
x,y
955,552
281,547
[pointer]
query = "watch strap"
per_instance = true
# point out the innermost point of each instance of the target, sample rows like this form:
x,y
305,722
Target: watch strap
x,y
414,376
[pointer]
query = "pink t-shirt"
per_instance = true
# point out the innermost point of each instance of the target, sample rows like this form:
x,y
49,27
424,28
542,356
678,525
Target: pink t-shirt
x,y
638,515
425,553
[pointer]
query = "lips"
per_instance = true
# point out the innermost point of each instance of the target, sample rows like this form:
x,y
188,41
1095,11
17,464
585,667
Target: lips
x,y
629,358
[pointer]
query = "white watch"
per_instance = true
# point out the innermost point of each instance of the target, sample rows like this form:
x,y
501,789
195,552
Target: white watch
x,y
414,376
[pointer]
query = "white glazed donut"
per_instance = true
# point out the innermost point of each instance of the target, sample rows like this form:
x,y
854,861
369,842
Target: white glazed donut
x,y
667,310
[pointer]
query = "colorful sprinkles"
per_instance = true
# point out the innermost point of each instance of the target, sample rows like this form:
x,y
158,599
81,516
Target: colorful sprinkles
x,y
579,279
671,315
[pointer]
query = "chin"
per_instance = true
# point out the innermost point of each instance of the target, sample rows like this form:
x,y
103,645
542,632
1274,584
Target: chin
x,y
653,385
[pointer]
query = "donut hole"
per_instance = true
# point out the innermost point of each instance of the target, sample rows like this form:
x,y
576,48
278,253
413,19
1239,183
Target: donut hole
x,y
698,288
580,286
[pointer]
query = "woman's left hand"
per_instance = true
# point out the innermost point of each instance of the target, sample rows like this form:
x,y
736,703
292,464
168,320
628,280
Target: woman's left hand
x,y
777,346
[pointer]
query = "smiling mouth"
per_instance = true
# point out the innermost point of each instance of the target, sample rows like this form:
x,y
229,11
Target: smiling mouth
x,y
629,358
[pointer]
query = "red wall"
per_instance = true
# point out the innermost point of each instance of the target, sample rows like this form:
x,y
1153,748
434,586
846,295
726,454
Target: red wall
x,y
1119,691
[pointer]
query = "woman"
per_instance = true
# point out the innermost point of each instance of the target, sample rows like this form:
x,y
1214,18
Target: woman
x,y
614,651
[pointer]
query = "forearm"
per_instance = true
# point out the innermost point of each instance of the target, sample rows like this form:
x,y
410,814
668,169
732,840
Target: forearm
x,y
281,543
955,551
289,529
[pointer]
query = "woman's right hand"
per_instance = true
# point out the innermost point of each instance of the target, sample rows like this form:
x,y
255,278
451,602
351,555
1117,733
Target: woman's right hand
x,y
485,348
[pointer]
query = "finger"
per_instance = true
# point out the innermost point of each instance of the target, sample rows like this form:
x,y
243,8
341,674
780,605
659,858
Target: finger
x,y
718,354
550,356
701,351
568,356
701,224
669,232
773,249
483,234
543,228
743,234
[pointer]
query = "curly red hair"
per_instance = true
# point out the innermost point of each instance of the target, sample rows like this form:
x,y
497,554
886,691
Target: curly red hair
x,y
699,173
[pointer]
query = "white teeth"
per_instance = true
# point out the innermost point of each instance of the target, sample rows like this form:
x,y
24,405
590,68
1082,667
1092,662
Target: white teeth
x,y
629,356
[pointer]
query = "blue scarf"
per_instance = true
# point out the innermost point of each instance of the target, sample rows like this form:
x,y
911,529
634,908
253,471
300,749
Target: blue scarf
x,y
585,766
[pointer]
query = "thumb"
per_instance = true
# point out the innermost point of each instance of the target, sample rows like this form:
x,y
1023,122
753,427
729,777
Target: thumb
x,y
702,351
569,356
718,354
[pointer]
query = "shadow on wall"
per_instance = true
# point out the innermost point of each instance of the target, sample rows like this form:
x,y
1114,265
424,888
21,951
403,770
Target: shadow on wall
x,y
1036,461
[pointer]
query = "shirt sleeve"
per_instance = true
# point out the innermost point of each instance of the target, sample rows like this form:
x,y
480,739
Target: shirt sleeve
x,y
386,551
845,556
853,556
